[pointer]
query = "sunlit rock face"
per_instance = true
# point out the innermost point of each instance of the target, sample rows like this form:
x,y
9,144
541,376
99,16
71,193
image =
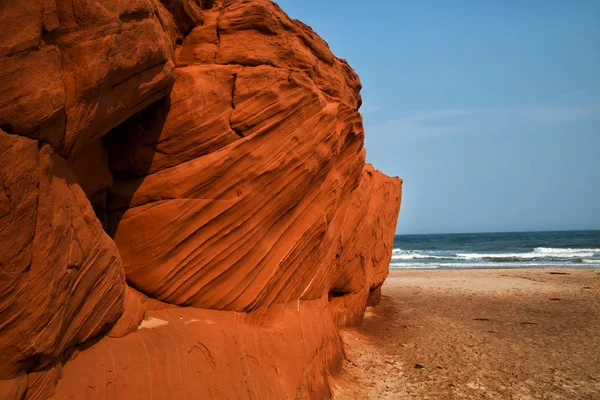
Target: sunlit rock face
x,y
186,211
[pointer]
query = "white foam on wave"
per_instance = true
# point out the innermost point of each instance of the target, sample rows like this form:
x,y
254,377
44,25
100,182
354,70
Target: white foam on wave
x,y
538,253
556,254
491,265
413,266
416,255
553,251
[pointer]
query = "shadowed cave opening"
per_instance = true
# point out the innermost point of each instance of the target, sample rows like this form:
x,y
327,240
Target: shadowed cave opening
x,y
334,294
122,158
7,128
207,4
374,298
131,147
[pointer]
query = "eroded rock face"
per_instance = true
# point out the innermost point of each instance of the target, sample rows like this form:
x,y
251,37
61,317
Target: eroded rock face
x,y
71,71
219,144
61,281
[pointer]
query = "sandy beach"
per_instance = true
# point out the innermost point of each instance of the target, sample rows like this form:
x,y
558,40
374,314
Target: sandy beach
x,y
478,334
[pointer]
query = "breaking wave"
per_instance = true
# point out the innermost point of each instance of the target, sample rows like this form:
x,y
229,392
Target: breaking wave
x,y
538,257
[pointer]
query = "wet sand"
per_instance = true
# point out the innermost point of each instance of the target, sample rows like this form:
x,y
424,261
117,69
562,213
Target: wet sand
x,y
478,334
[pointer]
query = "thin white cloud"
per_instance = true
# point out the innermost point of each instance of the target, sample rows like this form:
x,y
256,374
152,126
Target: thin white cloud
x,y
418,125
436,115
368,109
561,115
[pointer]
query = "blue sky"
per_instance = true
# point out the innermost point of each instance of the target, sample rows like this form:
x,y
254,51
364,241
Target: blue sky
x,y
489,110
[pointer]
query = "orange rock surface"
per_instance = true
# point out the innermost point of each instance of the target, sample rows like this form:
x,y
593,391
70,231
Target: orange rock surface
x,y
219,146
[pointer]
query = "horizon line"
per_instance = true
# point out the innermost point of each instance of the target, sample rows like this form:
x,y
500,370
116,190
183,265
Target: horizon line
x,y
483,232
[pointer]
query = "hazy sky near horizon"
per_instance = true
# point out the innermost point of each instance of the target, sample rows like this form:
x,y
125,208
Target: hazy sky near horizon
x,y
489,110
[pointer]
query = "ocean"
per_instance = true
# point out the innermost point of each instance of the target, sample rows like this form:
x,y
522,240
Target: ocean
x,y
566,249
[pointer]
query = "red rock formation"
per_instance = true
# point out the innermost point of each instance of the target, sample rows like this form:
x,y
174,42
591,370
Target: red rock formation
x,y
61,281
220,145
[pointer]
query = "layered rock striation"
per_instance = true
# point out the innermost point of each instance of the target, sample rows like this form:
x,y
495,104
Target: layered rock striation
x,y
185,208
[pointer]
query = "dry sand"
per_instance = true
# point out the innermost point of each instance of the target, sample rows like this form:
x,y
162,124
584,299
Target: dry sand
x,y
478,334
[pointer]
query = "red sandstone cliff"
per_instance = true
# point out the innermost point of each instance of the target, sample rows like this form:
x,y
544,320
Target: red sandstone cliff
x,y
185,208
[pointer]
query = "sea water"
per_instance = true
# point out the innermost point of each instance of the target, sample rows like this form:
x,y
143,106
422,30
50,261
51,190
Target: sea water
x,y
568,249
